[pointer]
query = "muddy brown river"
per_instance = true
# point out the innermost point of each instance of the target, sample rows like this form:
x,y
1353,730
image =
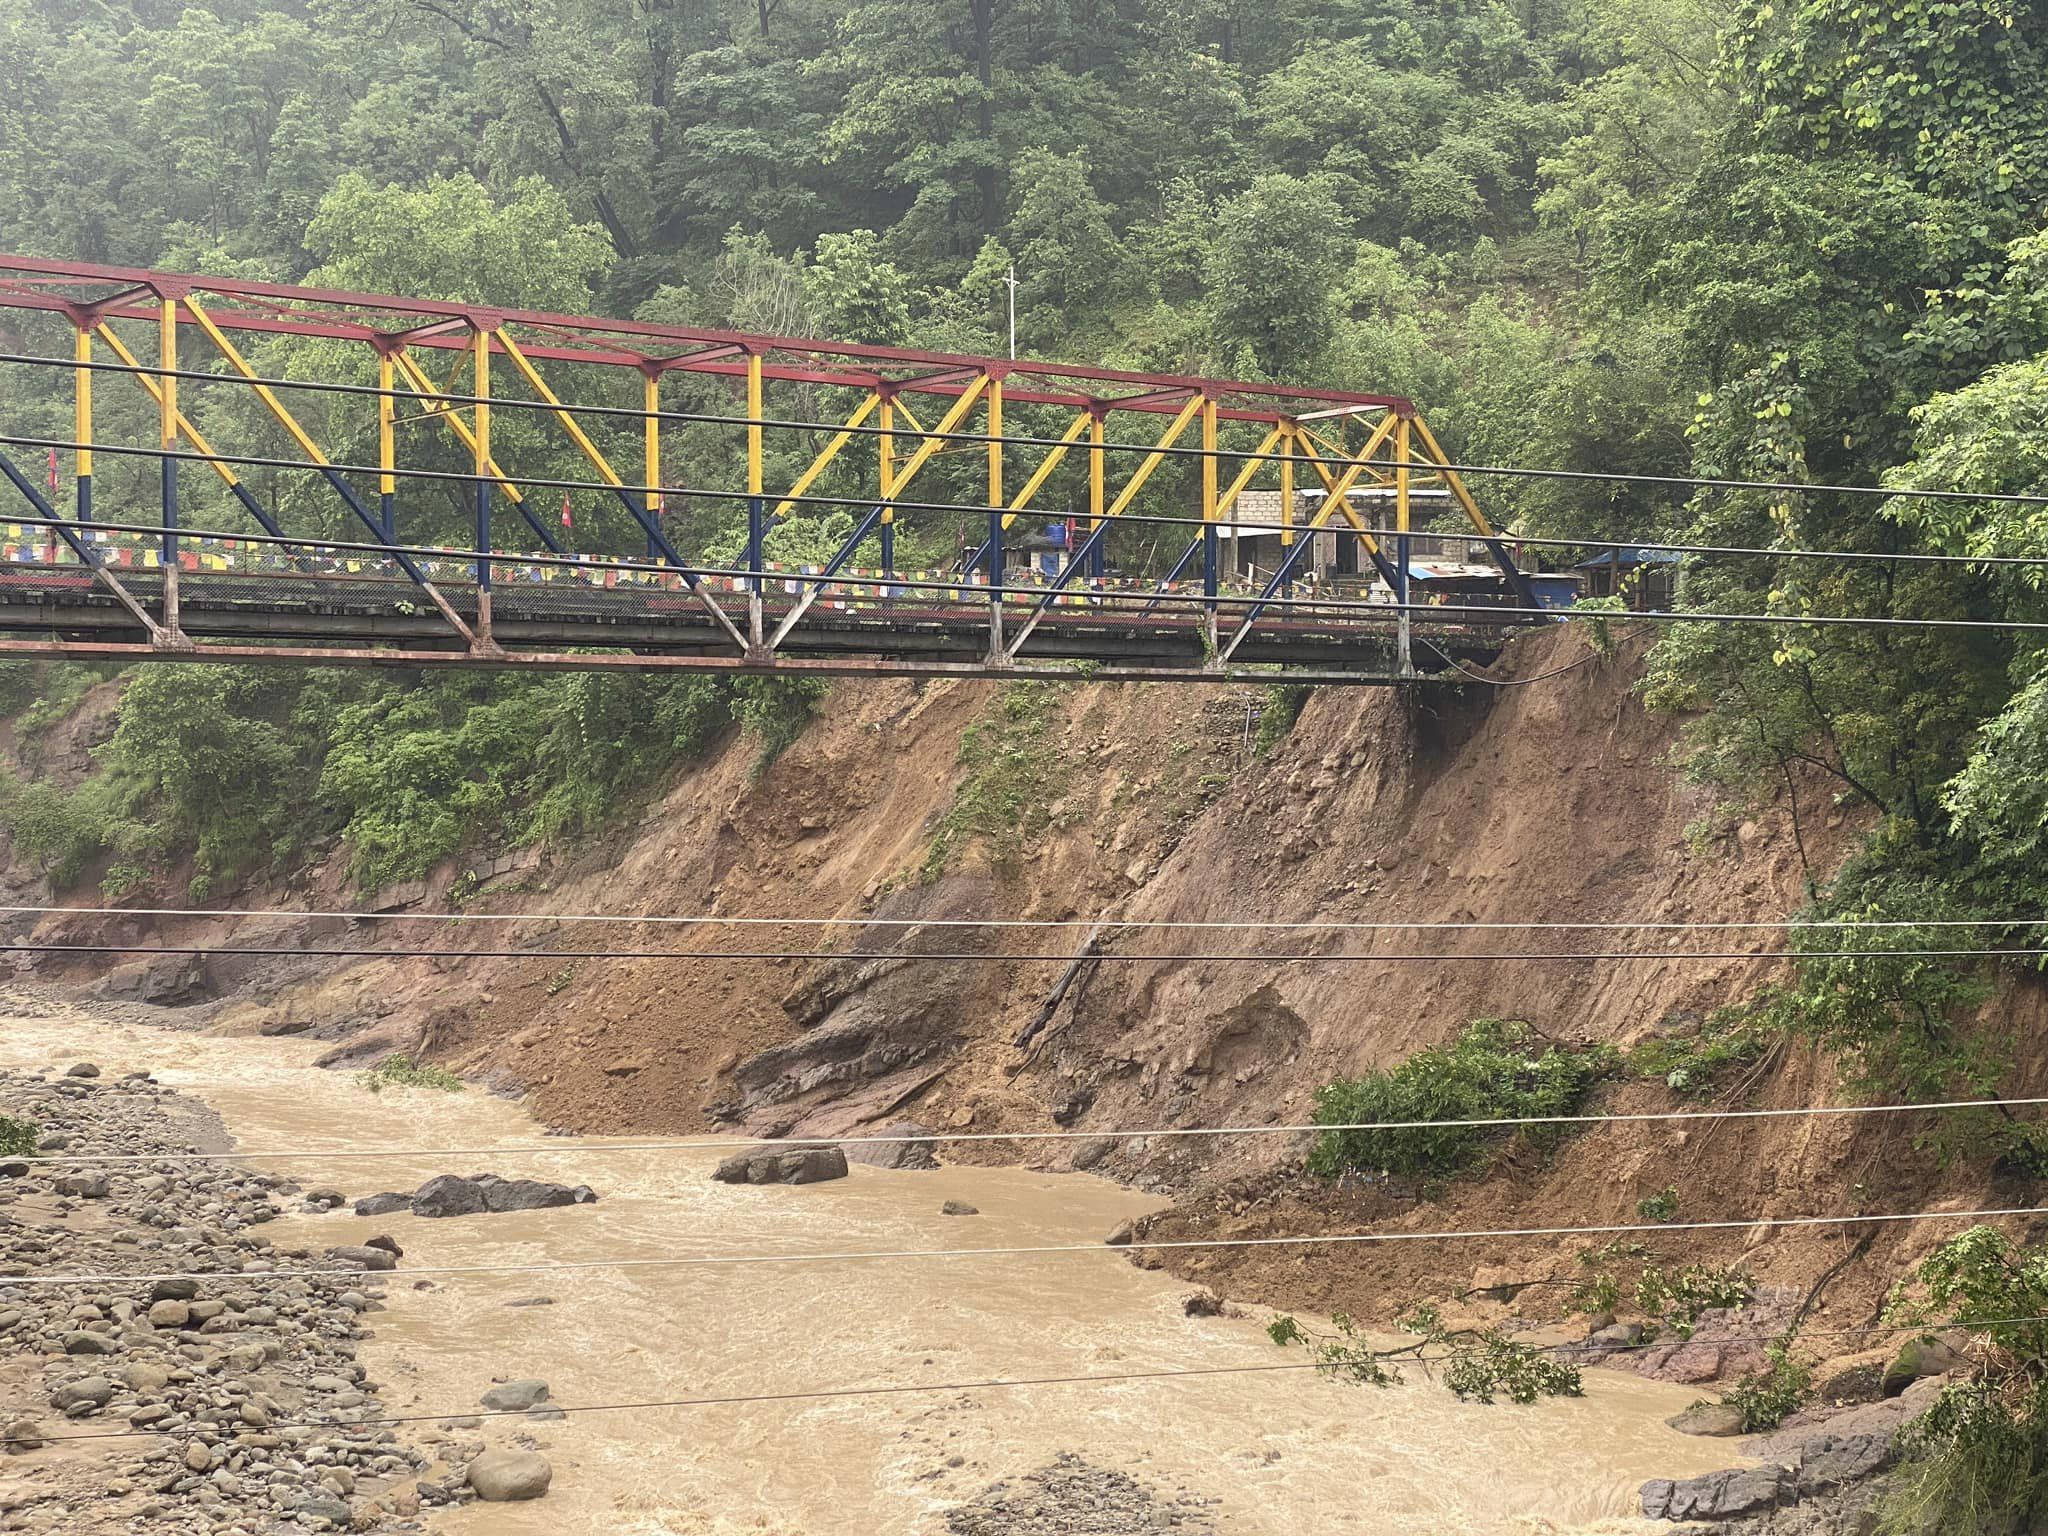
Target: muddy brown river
x,y
1280,1453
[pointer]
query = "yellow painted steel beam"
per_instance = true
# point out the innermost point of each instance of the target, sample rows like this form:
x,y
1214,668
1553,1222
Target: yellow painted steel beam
x,y
1286,487
81,399
994,392
826,455
1209,510
193,435
650,445
1097,480
436,405
886,449
949,422
264,392
387,421
756,473
480,354
1452,482
549,398
1152,460
1051,462
167,359
1257,462
1401,508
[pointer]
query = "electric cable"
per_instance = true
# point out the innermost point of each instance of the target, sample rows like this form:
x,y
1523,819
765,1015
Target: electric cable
x,y
1168,1373
715,919
972,438
569,1147
1150,1245
983,957
1478,615
1541,677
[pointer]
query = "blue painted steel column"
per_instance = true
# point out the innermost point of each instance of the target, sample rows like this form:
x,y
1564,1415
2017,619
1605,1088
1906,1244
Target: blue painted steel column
x,y
995,556
387,516
756,537
1209,561
888,549
483,534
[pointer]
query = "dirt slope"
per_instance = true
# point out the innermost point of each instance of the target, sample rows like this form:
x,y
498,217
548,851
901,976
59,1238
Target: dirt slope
x,y
1550,802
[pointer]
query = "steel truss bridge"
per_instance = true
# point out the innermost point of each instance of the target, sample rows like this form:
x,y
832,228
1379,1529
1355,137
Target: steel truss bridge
x,y
439,378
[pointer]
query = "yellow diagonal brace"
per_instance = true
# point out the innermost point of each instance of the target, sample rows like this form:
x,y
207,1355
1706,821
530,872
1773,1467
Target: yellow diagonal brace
x,y
1455,485
1152,460
1358,465
1075,429
569,423
114,343
947,423
437,405
264,392
826,455
1244,476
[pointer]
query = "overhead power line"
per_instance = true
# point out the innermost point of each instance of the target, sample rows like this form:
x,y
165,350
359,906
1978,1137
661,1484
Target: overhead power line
x,y
995,1383
962,957
971,438
1340,1239
1271,925
557,1147
1476,614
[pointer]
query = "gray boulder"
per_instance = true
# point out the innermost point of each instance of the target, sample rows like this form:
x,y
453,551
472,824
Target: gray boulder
x,y
1720,1419
782,1165
87,1391
448,1194
530,1194
505,1476
1717,1495
23,1436
915,1153
82,1069
383,1205
364,1257
1918,1359
515,1396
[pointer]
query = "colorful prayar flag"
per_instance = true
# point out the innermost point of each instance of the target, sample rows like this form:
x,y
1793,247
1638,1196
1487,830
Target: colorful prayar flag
x,y
567,522
53,469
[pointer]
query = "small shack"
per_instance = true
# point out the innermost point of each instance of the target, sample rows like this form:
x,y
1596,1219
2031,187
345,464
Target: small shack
x,y
1647,578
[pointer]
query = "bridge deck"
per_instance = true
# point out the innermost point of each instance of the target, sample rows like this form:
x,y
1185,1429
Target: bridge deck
x,y
372,618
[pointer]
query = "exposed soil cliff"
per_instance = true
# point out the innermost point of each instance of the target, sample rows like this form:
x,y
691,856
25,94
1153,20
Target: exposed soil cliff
x,y
1550,802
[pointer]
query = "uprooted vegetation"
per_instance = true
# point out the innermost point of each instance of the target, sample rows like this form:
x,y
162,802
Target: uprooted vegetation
x,y
1497,1069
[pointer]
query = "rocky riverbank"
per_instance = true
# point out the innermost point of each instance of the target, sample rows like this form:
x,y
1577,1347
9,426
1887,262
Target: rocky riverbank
x,y
174,1404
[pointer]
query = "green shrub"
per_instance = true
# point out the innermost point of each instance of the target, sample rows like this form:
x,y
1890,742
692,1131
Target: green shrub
x,y
1679,1296
1491,1071
1662,1206
776,710
402,1071
1696,1064
19,1137
1977,1460
1477,1366
1283,705
1495,1364
1004,800
1766,1397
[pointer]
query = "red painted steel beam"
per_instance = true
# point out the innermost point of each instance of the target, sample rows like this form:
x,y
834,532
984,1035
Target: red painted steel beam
x,y
856,359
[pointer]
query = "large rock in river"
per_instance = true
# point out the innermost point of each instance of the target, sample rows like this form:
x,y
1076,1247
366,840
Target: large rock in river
x,y
782,1165
505,1476
451,1194
904,1144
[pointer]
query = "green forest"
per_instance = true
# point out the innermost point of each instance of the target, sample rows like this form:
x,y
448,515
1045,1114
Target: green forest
x,y
1798,241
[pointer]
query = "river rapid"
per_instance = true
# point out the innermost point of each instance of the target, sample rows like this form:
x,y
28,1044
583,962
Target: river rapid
x,y
1278,1453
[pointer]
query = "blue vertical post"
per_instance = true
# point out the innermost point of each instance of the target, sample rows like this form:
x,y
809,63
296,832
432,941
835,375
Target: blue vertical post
x,y
483,534
756,537
888,549
387,516
995,556
1209,561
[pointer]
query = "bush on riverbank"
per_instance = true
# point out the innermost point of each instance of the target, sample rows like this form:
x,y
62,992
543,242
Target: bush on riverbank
x,y
1492,1071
